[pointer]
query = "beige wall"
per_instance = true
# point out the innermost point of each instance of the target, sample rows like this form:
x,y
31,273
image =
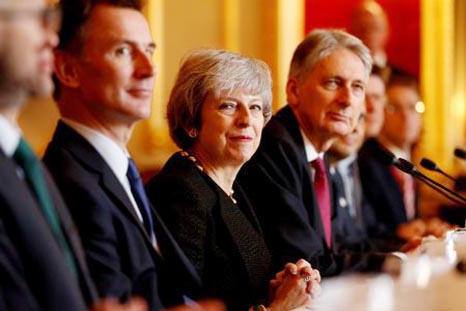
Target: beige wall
x,y
37,121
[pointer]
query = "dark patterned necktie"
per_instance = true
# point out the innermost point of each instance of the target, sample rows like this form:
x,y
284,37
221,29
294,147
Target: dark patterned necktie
x,y
27,160
321,188
137,188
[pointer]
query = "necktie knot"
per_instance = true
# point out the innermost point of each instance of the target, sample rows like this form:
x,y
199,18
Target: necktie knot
x,y
319,167
24,156
133,174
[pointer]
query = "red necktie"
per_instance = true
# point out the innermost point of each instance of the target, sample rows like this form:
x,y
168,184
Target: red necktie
x,y
406,184
322,191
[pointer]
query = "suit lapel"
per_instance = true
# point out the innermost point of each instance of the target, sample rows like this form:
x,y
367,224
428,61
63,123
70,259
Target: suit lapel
x,y
170,248
246,208
289,121
71,233
88,157
248,241
23,213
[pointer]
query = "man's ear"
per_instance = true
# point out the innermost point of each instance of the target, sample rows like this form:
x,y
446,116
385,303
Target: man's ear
x,y
292,92
65,69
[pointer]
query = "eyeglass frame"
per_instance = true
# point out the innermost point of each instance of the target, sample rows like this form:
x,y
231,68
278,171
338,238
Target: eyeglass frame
x,y
392,109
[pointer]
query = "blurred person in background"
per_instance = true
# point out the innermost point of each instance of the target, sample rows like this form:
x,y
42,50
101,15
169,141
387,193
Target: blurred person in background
x,y
390,190
369,23
350,207
42,266
375,103
403,88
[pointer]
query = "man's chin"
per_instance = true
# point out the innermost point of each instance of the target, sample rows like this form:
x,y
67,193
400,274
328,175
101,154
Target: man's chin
x,y
42,88
341,131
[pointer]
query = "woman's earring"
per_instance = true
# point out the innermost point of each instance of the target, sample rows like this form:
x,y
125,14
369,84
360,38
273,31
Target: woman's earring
x,y
193,133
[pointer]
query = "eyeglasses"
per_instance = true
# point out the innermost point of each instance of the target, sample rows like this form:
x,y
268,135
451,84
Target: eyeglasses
x,y
376,97
49,17
417,108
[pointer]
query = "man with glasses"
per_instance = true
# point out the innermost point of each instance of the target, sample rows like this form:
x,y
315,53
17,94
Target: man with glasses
x,y
390,191
355,223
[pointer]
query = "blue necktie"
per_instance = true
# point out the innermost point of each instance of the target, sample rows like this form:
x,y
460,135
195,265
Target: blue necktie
x,y
137,188
27,160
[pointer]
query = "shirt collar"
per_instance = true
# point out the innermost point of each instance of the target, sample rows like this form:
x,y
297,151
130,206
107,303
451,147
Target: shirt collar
x,y
10,136
345,163
114,156
311,152
399,153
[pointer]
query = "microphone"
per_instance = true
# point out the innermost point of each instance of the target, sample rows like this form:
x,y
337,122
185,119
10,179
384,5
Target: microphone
x,y
460,153
409,168
432,166
386,157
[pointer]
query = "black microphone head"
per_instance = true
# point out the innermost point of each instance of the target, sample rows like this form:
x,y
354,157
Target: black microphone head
x,y
405,166
384,155
460,153
429,164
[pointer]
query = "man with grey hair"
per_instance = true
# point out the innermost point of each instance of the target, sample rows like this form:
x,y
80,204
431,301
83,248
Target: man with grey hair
x,y
286,180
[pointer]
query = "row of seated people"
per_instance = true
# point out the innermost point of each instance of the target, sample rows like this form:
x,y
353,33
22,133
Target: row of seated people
x,y
91,233
396,204
379,199
248,200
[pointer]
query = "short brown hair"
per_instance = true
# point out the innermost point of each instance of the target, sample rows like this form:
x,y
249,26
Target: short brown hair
x,y
75,16
77,12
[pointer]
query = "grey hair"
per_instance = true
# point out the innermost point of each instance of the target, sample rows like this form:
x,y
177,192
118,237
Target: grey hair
x,y
205,71
319,44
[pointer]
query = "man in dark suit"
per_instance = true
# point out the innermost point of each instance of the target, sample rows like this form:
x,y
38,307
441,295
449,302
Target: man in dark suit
x,y
350,207
358,222
390,190
42,265
105,79
325,93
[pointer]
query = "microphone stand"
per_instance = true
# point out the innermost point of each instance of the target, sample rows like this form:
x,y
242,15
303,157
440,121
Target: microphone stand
x,y
432,166
409,168
460,153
